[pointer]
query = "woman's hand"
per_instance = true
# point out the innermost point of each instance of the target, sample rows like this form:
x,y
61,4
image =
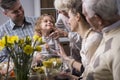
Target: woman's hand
x,y
61,51
58,33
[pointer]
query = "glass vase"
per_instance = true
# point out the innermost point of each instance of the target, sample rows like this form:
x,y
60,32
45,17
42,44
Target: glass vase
x,y
21,74
22,70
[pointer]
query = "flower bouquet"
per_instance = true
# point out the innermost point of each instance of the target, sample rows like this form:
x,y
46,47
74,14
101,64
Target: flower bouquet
x,y
21,53
50,68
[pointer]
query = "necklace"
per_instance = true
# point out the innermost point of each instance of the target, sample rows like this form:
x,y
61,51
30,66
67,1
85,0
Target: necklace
x,y
84,48
87,33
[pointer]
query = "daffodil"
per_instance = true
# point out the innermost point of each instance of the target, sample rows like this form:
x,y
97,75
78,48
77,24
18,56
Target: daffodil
x,y
28,49
40,40
38,48
35,37
4,41
21,52
21,41
48,64
12,39
2,44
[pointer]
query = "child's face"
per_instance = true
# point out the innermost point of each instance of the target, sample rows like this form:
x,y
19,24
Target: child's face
x,y
47,25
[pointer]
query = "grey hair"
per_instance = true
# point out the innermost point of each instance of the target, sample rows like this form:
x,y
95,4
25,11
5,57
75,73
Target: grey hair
x,y
63,5
59,5
107,9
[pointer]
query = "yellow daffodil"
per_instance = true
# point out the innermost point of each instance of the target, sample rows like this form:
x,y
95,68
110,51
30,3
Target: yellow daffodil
x,y
4,39
56,61
21,41
40,40
9,39
38,48
35,37
39,69
23,50
12,39
48,64
28,49
2,44
28,38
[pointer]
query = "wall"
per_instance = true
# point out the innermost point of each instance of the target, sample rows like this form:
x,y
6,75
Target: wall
x,y
28,6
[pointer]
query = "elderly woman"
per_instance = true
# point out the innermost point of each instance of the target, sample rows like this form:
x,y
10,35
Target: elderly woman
x,y
105,64
62,7
90,38
62,20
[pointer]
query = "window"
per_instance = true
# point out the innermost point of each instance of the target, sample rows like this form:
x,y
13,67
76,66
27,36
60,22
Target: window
x,y
47,6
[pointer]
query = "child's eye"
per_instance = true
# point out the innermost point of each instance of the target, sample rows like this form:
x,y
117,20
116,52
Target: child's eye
x,y
48,21
51,21
45,21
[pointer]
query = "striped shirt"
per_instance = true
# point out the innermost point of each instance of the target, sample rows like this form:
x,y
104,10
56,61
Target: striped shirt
x,y
9,28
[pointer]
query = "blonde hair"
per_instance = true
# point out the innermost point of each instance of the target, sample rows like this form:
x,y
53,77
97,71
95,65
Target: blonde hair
x,y
39,21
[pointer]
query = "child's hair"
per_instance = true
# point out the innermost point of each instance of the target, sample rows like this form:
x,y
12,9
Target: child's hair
x,y
39,20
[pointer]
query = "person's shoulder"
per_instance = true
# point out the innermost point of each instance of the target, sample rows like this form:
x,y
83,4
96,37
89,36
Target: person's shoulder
x,y
96,36
96,33
5,24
